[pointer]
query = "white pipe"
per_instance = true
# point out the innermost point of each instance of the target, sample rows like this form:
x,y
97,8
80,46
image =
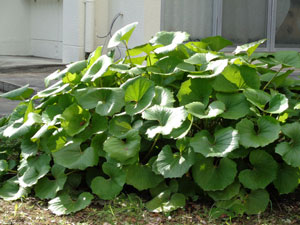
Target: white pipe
x,y
89,26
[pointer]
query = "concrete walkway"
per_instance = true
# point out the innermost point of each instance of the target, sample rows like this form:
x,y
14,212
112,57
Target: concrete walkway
x,y
17,71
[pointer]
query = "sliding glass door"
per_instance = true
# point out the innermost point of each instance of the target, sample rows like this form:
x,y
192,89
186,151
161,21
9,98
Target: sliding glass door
x,y
240,21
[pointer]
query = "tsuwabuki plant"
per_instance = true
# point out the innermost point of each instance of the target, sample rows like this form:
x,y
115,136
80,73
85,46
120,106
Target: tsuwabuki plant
x,y
175,118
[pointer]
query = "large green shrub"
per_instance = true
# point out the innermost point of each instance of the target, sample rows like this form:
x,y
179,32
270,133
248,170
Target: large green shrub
x,y
178,119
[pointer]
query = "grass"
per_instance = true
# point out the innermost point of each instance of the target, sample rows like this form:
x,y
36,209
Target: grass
x,y
129,209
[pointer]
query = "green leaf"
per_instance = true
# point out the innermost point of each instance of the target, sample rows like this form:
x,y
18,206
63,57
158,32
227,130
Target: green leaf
x,y
172,165
287,179
183,130
263,173
138,95
236,105
224,141
290,150
122,35
97,70
94,55
216,43
256,202
199,110
72,156
214,176
10,190
166,66
164,203
212,69
248,48
18,128
64,204
146,48
228,193
169,40
168,119
274,104
111,101
108,189
97,125
201,58
288,58
265,132
119,126
33,169
163,97
3,166
46,188
122,150
75,119
21,93
194,90
75,67
242,76
221,84
28,148
141,177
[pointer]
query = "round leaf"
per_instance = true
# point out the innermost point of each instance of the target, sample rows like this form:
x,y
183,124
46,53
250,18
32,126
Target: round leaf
x,y
256,202
141,177
21,93
163,97
121,35
226,194
46,188
10,190
224,141
170,40
263,173
267,131
274,104
72,156
213,176
168,119
199,110
108,189
174,165
138,95
33,169
75,119
290,151
236,105
287,179
122,150
111,101
64,204
194,90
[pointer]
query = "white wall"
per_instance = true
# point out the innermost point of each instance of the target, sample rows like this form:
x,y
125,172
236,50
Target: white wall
x,y
14,27
46,21
55,28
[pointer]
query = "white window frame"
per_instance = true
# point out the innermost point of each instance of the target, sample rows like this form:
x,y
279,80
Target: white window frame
x,y
217,25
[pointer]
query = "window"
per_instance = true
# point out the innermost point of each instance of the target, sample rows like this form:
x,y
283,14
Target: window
x,y
239,21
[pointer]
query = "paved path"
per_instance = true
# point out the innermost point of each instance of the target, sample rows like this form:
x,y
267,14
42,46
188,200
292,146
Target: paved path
x,y
16,71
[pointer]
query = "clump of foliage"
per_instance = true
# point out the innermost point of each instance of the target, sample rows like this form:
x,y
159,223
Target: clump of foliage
x,y
176,118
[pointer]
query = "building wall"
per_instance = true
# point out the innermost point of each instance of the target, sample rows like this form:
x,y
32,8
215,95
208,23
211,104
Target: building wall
x,y
56,28
46,22
14,27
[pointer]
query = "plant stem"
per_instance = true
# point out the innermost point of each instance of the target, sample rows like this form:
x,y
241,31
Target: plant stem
x,y
152,147
127,50
272,78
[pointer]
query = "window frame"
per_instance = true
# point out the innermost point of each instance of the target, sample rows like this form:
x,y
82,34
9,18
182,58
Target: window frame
x,y
217,25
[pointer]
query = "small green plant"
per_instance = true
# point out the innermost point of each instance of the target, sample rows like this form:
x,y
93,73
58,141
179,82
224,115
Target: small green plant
x,y
175,118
